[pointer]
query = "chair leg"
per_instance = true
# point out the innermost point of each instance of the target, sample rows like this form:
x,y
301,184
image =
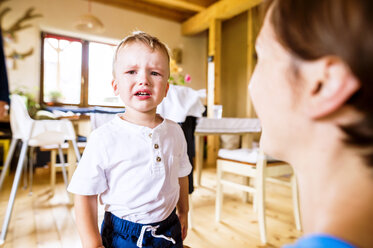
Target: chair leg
x,y
53,170
261,214
31,168
62,161
296,208
219,193
245,195
260,195
25,183
190,213
64,174
71,161
7,161
13,192
5,149
76,149
255,198
199,158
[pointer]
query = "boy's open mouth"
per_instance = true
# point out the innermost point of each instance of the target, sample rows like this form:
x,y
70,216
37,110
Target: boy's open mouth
x,y
142,93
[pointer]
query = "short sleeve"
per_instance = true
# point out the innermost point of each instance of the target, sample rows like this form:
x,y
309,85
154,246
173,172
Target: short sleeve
x,y
89,177
185,168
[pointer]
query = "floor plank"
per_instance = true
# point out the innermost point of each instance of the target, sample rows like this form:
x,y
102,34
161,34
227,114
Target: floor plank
x,y
45,221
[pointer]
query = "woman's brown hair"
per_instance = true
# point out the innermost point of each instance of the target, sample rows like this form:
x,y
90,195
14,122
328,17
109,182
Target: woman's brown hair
x,y
343,28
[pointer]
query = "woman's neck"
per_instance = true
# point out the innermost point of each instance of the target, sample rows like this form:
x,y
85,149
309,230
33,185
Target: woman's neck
x,y
336,193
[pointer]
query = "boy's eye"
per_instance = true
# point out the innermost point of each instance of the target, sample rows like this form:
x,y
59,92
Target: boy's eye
x,y
154,73
131,72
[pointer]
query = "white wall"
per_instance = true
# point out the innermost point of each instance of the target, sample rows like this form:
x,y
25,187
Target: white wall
x,y
59,17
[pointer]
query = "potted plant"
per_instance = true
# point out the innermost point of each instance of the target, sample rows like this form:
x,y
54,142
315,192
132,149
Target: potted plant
x,y
32,105
55,96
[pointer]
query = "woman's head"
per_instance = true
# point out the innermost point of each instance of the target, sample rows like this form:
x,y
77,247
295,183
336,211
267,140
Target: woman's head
x,y
326,49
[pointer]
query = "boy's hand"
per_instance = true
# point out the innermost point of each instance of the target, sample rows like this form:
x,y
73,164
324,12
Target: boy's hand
x,y
183,206
86,220
183,217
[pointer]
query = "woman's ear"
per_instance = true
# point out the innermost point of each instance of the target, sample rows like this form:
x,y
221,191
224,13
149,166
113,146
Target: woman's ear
x,y
336,84
114,84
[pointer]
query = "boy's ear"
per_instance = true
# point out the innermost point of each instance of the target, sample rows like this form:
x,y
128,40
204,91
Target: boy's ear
x,y
335,86
114,84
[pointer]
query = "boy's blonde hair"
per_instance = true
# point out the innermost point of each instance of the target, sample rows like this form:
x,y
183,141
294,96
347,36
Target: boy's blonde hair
x,y
145,38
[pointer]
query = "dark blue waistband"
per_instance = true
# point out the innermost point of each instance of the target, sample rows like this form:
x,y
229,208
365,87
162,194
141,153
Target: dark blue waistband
x,y
125,226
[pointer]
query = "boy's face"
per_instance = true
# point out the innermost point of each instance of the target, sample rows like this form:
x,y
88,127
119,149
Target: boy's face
x,y
141,77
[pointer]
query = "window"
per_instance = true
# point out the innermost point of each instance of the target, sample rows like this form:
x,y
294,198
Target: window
x,y
76,72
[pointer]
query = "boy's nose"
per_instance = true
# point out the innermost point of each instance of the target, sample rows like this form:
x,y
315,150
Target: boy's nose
x,y
142,79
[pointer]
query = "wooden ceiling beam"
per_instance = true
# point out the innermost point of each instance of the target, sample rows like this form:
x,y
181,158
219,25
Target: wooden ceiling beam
x,y
181,4
223,9
147,8
204,3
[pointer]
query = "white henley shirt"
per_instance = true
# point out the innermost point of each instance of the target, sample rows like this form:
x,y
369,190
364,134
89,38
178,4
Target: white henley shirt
x,y
134,169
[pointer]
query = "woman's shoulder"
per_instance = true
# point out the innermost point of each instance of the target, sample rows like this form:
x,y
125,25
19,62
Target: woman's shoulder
x,y
320,241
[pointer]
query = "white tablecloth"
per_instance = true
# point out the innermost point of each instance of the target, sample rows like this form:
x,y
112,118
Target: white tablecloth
x,y
228,125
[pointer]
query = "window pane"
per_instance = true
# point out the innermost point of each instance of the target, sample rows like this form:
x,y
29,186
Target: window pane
x,y
100,91
62,70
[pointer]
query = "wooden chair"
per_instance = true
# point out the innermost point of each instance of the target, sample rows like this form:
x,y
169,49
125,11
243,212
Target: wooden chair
x,y
71,161
4,143
252,163
211,126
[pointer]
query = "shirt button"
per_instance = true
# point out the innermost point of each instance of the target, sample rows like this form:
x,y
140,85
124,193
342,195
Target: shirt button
x,y
159,159
156,146
150,135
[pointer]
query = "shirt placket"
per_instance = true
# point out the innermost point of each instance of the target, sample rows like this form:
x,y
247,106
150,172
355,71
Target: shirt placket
x,y
158,167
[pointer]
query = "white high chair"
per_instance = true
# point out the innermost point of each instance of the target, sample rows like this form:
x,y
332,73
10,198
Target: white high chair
x,y
32,133
98,119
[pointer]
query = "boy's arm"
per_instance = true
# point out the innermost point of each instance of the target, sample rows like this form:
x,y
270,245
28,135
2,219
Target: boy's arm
x,y
86,220
183,205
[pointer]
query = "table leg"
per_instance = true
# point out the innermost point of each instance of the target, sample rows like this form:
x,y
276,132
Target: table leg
x,y
71,161
53,170
199,158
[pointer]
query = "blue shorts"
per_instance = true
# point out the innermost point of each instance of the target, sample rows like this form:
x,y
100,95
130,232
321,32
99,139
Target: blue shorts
x,y
117,232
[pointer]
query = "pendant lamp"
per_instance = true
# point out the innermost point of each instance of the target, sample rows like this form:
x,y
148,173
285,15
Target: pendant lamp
x,y
89,23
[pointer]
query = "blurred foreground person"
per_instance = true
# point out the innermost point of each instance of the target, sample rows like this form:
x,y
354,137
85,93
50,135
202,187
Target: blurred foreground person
x,y
315,64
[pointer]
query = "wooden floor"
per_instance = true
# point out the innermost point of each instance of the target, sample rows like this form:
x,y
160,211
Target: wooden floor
x,y
45,221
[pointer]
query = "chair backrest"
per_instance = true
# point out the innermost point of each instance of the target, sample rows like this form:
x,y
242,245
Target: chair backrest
x,y
98,119
65,127
21,123
20,120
